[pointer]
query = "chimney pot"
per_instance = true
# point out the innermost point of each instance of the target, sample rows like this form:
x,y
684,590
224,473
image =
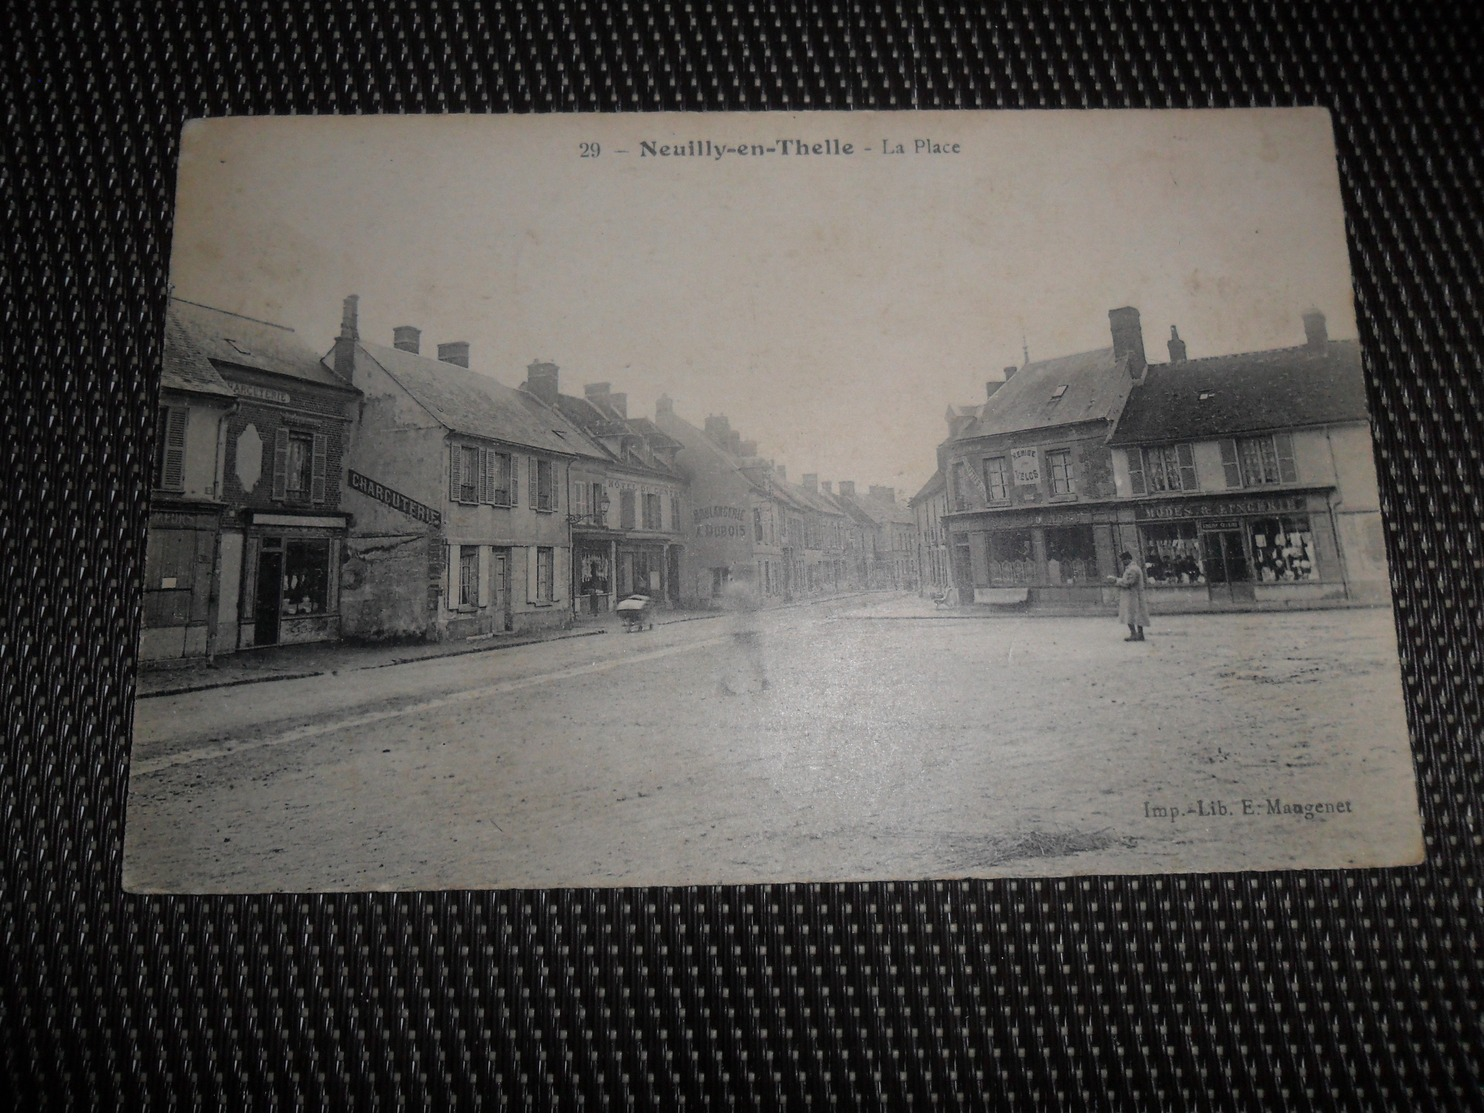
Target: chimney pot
x,y
543,380
1316,332
344,358
1177,346
407,338
454,353
847,489
1128,338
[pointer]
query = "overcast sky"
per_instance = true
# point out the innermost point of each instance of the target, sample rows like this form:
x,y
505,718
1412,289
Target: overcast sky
x,y
831,306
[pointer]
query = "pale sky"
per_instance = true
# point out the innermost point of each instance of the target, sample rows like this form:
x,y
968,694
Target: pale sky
x,y
831,306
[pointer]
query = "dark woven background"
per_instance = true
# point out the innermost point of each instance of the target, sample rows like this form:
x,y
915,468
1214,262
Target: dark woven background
x,y
1298,989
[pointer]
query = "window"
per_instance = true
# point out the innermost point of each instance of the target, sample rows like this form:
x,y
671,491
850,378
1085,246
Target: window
x,y
1283,549
599,498
299,466
170,437
651,511
545,574
1264,460
1010,561
1172,555
626,509
468,576
543,485
1059,465
480,476
1162,469
757,525
674,513
996,479
306,576
499,475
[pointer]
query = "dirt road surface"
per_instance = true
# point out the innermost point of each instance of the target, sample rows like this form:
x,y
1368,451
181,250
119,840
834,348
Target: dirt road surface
x,y
885,748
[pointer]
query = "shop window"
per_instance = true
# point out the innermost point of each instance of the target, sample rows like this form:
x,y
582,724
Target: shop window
x,y
996,479
1172,555
299,467
170,445
626,509
1264,460
1283,550
1071,555
1010,561
1059,466
1162,469
545,574
306,576
468,576
651,511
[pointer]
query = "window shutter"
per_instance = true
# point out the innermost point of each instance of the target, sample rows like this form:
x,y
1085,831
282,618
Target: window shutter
x,y
172,476
1287,470
317,470
531,482
453,575
280,463
1229,463
1186,453
483,488
1136,470
512,471
484,576
530,553
455,456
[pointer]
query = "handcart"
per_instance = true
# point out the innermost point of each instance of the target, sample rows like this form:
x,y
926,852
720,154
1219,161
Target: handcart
x,y
635,610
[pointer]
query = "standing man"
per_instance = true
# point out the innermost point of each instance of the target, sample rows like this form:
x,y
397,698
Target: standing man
x,y
741,600
1133,610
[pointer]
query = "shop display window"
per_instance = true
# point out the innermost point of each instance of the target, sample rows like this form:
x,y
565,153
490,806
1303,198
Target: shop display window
x,y
306,577
1071,555
1283,550
1172,555
1010,561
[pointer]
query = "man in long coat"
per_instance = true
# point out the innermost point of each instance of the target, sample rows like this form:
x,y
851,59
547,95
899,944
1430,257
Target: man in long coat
x,y
1133,610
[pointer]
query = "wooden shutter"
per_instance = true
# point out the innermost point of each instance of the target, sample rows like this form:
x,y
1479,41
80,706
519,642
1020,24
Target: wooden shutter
x,y
1136,470
453,575
172,471
1287,470
529,554
1230,464
512,465
531,480
1186,453
455,460
484,577
280,464
317,469
486,477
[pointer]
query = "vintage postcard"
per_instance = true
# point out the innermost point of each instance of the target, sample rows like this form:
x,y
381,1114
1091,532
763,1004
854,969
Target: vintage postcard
x,y
587,501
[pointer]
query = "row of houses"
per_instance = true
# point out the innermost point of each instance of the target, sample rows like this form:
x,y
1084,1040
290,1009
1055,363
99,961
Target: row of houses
x,y
377,492
1240,479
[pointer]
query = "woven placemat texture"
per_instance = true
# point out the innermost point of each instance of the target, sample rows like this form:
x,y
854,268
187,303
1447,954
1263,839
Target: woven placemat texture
x,y
1283,990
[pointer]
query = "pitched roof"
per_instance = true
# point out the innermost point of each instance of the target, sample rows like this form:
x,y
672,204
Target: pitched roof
x,y
602,422
185,367
692,437
1074,389
470,402
225,338
937,483
1270,390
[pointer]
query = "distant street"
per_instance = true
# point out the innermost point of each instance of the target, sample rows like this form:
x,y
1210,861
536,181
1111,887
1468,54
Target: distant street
x,y
887,747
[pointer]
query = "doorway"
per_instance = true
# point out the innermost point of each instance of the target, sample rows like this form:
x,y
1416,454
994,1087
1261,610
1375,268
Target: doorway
x,y
1228,573
500,588
268,600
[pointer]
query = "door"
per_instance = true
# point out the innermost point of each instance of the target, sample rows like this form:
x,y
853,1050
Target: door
x,y
269,597
1228,573
500,589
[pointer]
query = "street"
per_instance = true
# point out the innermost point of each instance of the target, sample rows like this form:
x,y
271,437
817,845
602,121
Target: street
x,y
891,744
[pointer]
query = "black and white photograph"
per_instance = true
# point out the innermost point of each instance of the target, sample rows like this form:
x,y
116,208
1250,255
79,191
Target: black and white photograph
x,y
683,499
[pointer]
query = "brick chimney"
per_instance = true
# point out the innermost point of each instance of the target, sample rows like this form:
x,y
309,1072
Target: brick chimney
x,y
1316,333
747,449
885,493
1177,347
619,403
811,482
454,353
827,487
1128,339
407,338
543,380
847,489
717,428
734,442
664,406
344,358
